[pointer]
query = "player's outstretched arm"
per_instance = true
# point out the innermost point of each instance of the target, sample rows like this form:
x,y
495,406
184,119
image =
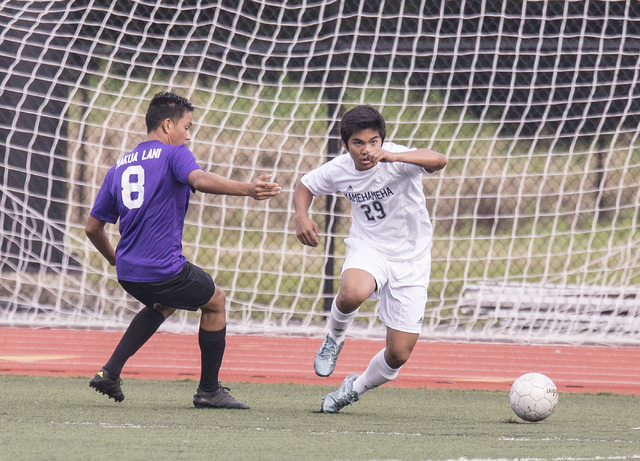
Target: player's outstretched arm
x,y
426,158
306,228
98,236
212,183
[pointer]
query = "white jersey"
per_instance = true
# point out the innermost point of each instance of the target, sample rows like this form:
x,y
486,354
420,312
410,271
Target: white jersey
x,y
387,202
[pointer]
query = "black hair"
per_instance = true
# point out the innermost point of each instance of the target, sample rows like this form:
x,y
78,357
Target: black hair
x,y
165,105
361,118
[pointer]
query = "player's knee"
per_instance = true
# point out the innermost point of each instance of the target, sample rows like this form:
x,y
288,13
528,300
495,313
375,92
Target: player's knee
x,y
349,300
217,302
397,358
220,296
166,311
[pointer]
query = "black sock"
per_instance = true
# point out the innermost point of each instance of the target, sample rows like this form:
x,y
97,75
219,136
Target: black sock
x,y
212,344
142,327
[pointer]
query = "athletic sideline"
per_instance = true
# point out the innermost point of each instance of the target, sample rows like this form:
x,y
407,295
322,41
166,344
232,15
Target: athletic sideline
x,y
266,359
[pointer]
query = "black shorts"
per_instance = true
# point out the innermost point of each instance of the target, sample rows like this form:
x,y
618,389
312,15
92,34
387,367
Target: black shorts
x,y
189,290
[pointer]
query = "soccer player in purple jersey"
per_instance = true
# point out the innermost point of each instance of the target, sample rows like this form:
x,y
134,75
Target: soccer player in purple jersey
x,y
148,190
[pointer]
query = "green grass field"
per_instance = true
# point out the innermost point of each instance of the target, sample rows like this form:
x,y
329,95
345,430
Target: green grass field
x,y
48,418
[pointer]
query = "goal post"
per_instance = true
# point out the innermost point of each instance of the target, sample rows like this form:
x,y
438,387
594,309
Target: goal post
x,y
535,104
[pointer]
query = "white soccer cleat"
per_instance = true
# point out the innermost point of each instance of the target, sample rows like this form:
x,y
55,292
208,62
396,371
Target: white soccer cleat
x,y
334,401
327,356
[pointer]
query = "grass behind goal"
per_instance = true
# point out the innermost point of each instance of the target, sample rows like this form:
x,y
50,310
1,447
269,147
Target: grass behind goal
x,y
63,419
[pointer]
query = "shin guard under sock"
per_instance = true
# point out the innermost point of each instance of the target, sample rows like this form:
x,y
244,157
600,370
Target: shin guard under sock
x,y
142,327
339,323
212,345
376,374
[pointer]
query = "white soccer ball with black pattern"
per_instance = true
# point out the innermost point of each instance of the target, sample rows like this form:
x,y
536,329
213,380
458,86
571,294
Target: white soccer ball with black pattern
x,y
533,397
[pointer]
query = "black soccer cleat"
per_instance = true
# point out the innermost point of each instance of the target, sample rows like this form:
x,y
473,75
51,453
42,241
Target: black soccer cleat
x,y
107,386
220,398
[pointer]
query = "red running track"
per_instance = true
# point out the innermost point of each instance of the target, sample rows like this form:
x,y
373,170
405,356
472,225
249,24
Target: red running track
x,y
263,359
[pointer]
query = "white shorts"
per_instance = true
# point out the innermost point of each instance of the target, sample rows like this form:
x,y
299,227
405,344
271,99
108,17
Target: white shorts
x,y
402,285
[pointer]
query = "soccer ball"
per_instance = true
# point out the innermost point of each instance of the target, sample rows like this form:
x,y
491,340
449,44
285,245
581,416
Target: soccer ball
x,y
533,397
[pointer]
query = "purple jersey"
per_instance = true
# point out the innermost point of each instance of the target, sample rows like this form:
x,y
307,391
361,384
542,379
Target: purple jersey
x,y
147,190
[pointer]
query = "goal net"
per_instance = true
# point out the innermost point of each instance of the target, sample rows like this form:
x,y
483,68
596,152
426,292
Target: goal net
x,y
535,104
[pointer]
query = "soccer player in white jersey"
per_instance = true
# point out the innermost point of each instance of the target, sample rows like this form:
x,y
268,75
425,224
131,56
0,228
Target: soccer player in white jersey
x,y
388,249
148,191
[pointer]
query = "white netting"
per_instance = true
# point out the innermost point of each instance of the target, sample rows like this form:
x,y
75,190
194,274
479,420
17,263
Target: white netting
x,y
536,105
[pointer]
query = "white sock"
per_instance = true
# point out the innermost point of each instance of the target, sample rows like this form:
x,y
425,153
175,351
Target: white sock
x,y
376,374
339,323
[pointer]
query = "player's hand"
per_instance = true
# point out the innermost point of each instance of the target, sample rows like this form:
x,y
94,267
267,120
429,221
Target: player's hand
x,y
261,190
378,154
307,231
